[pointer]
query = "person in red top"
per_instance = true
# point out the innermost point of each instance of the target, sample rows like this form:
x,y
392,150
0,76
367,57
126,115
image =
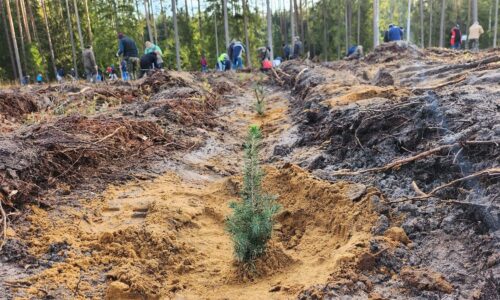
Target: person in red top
x,y
204,64
456,37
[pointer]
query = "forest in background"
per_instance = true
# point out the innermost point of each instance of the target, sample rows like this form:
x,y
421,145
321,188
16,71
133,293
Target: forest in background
x,y
48,32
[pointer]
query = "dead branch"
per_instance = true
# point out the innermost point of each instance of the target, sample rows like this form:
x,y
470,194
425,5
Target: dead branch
x,y
4,226
400,162
438,86
424,196
277,76
300,74
109,135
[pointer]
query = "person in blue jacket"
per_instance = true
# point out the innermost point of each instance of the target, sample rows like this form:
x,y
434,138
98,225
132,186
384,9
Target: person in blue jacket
x,y
394,33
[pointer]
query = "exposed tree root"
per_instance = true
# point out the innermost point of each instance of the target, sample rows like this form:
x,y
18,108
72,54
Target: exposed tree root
x,y
423,196
400,162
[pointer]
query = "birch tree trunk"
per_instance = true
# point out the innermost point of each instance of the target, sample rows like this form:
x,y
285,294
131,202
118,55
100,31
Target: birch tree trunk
x,y
14,42
226,25
176,36
72,38
375,23
9,42
270,29
441,27
78,26
495,27
247,40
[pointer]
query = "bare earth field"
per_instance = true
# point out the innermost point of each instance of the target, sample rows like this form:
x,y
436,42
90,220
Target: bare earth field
x,y
387,171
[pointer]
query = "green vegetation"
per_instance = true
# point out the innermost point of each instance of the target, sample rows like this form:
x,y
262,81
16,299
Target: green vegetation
x,y
260,102
251,223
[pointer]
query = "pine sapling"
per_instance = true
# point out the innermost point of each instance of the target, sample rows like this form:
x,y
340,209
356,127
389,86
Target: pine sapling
x,y
251,223
260,103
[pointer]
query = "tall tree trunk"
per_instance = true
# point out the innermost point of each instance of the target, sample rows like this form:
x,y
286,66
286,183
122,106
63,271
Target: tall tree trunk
x,y
49,37
226,24
217,36
9,42
422,42
72,38
375,23
431,13
392,8
25,21
292,27
148,20
199,21
270,29
14,42
187,10
297,17
441,26
114,18
35,36
325,44
474,11
358,39
137,9
408,22
469,17
89,23
176,36
21,33
301,14
152,13
346,21
245,27
495,28
78,25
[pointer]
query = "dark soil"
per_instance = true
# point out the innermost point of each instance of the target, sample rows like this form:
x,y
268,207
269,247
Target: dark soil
x,y
457,231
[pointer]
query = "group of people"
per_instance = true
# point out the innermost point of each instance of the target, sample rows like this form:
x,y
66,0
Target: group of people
x,y
475,32
232,59
133,67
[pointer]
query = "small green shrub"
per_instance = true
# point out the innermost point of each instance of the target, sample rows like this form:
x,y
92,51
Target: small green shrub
x,y
251,223
260,103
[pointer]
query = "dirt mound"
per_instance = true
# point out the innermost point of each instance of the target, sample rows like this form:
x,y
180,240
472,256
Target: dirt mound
x,y
387,52
70,150
14,104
